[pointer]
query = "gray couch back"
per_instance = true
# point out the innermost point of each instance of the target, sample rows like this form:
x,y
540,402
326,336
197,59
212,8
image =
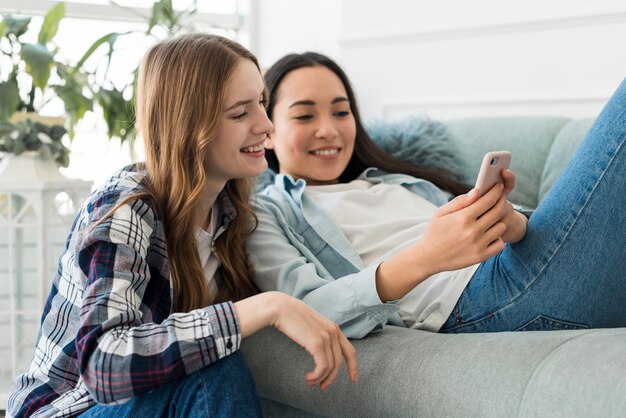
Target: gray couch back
x,y
541,147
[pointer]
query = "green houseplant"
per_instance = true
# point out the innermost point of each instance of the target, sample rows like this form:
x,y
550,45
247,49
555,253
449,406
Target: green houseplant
x,y
117,102
34,74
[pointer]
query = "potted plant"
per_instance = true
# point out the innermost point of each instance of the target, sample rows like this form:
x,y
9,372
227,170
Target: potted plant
x,y
33,75
117,102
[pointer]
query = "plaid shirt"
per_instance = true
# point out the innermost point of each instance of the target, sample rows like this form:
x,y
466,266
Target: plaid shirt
x,y
107,332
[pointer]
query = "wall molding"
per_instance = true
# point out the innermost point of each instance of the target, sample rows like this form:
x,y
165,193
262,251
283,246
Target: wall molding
x,y
485,30
107,12
391,109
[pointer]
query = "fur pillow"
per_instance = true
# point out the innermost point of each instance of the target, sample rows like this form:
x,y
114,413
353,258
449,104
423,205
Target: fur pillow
x,y
418,140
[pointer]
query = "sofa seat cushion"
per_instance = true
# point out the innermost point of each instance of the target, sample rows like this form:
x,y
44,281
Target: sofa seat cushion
x,y
406,372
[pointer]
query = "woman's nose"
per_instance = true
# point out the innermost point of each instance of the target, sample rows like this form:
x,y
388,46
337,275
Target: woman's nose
x,y
264,126
326,129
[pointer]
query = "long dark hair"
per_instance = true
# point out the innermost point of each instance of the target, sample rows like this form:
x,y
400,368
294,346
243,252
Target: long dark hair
x,y
366,153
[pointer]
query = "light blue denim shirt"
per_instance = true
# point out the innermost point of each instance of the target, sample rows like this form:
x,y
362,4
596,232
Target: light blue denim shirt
x,y
298,249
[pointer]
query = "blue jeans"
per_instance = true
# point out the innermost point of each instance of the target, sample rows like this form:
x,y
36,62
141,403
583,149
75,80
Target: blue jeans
x,y
569,271
224,389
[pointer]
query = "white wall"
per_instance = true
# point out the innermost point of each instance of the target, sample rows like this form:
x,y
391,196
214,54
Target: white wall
x,y
455,58
286,26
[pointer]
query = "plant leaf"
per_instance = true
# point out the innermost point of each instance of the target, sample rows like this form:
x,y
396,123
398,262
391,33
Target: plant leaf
x,y
9,99
64,159
18,147
45,152
117,113
50,24
57,132
162,14
39,62
16,25
109,39
76,103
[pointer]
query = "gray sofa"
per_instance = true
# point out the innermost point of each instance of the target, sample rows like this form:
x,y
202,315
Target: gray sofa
x,y
408,373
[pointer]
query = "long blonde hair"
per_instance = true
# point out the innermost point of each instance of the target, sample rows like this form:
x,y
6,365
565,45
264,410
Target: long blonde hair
x,y
181,92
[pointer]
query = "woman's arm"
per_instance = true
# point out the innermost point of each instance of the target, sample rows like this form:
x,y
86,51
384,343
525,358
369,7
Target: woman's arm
x,y
122,351
283,263
464,232
123,354
320,337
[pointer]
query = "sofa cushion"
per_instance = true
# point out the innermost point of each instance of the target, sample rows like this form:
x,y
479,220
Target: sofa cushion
x,y
418,140
566,142
405,372
528,138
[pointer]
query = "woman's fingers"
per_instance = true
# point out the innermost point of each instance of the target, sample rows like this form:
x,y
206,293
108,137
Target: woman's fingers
x,y
320,358
486,202
321,338
349,353
509,181
495,214
337,359
328,355
458,203
494,233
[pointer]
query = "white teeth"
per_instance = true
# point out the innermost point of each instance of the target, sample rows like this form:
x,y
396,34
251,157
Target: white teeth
x,y
253,149
325,151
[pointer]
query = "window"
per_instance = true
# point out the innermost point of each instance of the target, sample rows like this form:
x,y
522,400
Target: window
x,y
94,157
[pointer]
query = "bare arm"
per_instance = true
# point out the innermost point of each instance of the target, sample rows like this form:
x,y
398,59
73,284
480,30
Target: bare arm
x,y
320,337
466,231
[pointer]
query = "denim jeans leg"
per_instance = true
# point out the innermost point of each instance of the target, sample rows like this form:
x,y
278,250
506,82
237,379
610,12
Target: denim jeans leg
x,y
223,389
571,266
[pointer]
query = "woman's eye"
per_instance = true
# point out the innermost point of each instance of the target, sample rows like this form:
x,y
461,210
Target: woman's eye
x,y
240,116
304,117
343,113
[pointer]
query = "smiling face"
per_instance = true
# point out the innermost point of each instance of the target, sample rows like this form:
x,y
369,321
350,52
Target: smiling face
x,y
314,128
237,150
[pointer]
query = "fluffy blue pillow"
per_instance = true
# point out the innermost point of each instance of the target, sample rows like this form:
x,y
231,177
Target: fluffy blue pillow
x,y
418,140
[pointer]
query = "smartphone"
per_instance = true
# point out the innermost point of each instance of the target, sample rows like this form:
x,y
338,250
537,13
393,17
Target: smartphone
x,y
491,168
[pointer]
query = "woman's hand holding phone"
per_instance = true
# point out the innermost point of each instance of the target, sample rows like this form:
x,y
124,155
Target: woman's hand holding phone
x,y
493,170
467,230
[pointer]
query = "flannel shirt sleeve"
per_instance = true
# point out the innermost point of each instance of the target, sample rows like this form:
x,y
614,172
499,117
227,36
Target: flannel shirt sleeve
x,y
121,353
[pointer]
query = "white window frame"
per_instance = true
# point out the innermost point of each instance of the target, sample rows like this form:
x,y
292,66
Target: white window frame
x,y
80,10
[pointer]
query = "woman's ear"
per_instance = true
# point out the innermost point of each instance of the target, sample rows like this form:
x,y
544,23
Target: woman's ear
x,y
268,142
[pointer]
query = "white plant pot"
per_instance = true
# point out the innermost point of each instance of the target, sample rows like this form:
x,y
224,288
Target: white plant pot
x,y
28,169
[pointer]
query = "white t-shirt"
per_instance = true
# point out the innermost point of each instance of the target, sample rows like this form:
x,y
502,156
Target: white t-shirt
x,y
205,241
380,220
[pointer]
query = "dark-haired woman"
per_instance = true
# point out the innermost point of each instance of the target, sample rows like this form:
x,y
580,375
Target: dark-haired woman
x,y
368,240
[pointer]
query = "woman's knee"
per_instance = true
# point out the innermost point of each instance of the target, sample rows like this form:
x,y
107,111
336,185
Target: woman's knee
x,y
228,388
232,368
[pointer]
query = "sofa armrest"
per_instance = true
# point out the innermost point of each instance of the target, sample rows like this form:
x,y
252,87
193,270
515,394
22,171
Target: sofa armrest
x,y
406,372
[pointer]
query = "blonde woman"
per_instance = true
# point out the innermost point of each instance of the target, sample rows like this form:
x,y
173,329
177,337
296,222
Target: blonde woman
x,y
141,312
